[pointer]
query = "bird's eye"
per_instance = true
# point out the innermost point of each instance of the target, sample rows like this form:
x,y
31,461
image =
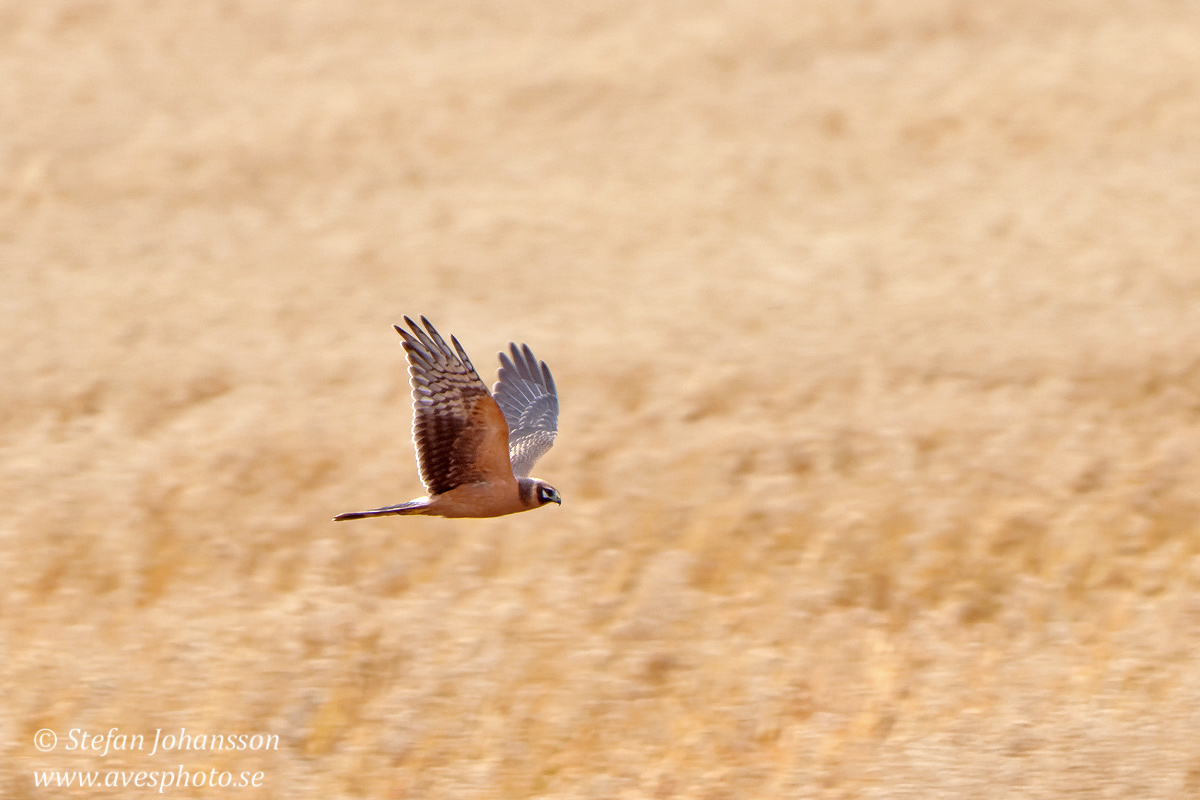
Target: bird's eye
x,y
544,494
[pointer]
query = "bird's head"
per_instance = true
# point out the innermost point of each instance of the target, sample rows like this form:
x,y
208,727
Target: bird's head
x,y
545,493
536,493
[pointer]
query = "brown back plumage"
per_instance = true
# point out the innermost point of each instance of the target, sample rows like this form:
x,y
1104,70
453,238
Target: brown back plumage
x,y
459,432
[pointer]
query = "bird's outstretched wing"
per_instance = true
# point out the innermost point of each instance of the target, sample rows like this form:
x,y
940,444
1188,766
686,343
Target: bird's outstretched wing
x,y
529,400
459,431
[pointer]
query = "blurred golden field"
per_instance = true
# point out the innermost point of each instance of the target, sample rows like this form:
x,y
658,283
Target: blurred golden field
x,y
877,330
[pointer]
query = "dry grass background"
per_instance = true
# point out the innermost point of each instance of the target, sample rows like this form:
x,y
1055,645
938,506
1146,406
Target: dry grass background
x,y
877,326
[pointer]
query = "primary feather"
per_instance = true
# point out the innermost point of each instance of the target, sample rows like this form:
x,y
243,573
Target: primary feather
x,y
528,397
448,400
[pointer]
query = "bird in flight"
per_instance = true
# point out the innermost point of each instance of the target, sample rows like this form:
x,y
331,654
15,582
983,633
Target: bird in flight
x,y
475,448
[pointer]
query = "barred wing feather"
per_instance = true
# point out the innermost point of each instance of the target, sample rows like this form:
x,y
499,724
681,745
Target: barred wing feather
x,y
458,430
527,396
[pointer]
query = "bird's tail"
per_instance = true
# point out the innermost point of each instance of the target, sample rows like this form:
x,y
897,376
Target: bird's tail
x,y
418,506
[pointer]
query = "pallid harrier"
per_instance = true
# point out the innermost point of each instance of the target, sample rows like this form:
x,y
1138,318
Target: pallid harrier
x,y
475,448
